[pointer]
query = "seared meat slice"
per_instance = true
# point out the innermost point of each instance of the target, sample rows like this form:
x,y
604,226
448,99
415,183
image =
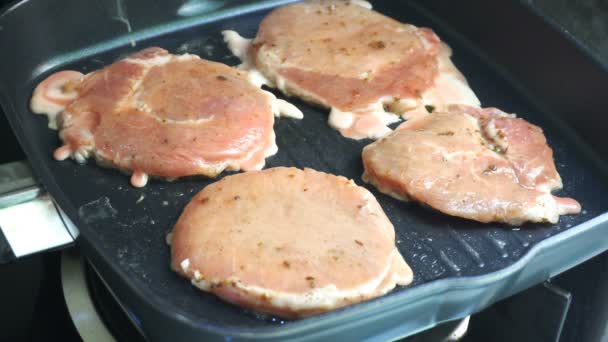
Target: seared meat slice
x,y
366,67
480,164
159,114
287,241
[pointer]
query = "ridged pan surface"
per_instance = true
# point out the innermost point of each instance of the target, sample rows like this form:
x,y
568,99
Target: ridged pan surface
x,y
128,226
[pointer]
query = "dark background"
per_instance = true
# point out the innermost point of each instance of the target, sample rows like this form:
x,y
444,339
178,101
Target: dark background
x,y
587,20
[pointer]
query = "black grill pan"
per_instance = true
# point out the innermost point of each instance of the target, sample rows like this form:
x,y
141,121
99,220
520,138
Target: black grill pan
x,y
460,266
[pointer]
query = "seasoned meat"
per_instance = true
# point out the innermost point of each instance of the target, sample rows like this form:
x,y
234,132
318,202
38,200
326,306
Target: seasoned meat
x,y
480,164
154,113
366,67
288,242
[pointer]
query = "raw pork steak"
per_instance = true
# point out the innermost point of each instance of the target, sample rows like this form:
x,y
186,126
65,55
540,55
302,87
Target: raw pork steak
x,y
480,164
368,68
287,241
159,114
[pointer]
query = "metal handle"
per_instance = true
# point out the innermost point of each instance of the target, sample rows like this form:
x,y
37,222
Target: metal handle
x,y
30,221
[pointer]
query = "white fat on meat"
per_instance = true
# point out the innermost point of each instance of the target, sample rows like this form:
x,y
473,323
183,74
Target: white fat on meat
x,y
240,46
450,86
372,120
397,272
338,119
362,3
125,86
308,242
376,116
479,164
52,96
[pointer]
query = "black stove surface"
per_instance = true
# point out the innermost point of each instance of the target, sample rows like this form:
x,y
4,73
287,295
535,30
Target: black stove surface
x,y
33,307
114,317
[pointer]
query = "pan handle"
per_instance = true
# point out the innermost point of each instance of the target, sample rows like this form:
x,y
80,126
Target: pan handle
x,y
30,221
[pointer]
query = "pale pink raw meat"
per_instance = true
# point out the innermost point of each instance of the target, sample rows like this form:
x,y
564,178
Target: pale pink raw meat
x,y
480,164
366,67
154,113
287,241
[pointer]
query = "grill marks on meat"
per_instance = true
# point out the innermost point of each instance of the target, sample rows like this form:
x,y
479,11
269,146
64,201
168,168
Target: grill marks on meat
x,y
287,241
480,164
364,66
164,115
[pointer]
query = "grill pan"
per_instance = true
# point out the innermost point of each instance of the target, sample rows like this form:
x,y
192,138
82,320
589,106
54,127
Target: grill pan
x,y
513,58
